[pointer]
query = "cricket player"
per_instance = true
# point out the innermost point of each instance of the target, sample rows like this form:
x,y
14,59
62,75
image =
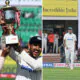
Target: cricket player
x,y
56,42
44,42
29,66
70,45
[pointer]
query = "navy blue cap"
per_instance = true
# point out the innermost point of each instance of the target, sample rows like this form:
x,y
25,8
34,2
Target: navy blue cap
x,y
69,28
35,39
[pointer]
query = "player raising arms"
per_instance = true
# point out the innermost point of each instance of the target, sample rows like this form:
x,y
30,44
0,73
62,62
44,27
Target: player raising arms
x,y
29,65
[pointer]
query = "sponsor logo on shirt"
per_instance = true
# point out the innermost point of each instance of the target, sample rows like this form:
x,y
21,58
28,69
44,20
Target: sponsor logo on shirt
x,y
69,39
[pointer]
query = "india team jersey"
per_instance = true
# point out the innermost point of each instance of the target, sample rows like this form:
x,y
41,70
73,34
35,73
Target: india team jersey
x,y
70,40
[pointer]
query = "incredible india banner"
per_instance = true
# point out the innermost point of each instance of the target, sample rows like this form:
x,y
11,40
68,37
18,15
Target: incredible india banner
x,y
60,7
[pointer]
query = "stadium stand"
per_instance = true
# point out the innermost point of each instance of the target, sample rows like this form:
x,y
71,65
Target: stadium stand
x,y
55,58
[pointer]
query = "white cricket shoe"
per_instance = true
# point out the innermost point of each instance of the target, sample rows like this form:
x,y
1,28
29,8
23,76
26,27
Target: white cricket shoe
x,y
71,67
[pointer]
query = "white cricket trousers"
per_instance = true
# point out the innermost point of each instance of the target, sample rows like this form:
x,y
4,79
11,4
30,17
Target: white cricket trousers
x,y
55,46
45,45
69,54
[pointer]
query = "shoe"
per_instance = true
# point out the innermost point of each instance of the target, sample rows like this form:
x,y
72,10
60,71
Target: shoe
x,y
71,67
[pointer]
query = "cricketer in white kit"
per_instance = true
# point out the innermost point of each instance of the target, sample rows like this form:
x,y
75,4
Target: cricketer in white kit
x,y
70,45
29,66
44,42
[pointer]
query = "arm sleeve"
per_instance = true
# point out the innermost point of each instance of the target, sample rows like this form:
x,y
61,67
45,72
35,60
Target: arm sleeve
x,y
75,39
13,54
64,40
35,64
64,37
2,59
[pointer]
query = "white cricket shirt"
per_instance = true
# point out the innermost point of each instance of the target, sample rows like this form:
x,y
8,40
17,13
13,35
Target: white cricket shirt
x,y
70,40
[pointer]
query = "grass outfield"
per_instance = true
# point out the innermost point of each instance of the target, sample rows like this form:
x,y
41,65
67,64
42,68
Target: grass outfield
x,y
61,74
